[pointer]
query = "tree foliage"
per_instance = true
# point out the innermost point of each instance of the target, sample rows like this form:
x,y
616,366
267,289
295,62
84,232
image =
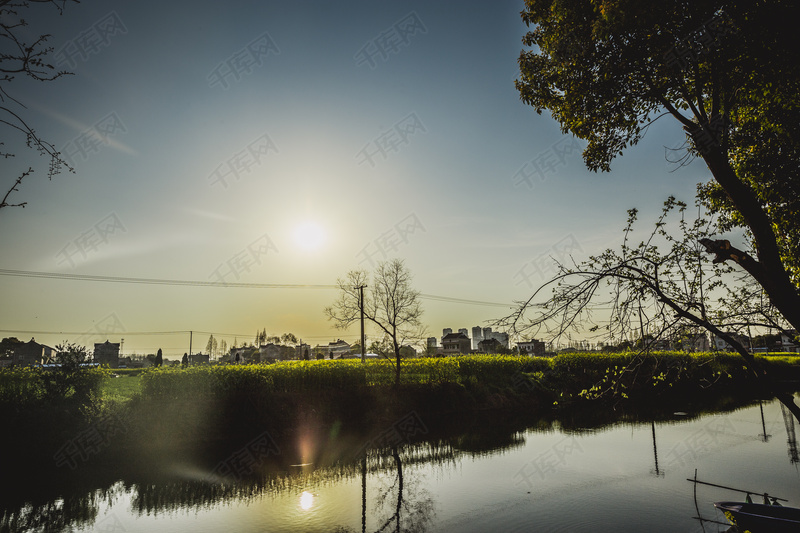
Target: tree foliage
x,y
725,71
289,338
71,380
8,345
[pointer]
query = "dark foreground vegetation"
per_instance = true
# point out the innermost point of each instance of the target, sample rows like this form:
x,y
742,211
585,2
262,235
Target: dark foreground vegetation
x,y
236,430
188,408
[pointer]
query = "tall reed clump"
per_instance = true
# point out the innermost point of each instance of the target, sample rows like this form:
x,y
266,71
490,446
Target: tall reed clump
x,y
631,375
25,388
570,375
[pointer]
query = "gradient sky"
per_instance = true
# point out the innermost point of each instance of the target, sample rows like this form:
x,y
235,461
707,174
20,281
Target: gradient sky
x,y
294,94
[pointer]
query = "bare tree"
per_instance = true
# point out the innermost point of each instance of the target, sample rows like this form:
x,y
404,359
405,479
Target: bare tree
x,y
210,345
289,338
662,285
19,55
390,303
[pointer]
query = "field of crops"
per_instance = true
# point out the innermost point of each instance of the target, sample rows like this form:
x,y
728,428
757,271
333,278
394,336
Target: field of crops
x,y
290,376
581,373
575,371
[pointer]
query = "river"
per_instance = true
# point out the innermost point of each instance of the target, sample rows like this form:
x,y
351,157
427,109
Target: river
x,y
551,476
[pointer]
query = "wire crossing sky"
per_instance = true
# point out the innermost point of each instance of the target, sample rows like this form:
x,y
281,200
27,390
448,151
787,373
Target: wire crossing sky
x,y
279,145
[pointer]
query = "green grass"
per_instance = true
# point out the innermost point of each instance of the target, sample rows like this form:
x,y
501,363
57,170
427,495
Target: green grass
x,y
129,371
121,389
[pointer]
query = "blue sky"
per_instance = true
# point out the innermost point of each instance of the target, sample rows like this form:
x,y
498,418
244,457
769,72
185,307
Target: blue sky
x,y
294,107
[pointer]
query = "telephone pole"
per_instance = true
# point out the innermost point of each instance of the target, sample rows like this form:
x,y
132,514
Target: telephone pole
x,y
361,308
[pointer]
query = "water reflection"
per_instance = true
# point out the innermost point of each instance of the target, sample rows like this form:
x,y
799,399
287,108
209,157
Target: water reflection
x,y
399,504
306,500
764,435
788,421
395,482
656,470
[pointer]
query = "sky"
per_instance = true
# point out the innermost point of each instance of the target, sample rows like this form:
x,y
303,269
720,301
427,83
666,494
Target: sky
x,y
287,143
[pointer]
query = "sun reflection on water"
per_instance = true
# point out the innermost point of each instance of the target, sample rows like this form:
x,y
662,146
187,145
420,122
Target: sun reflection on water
x,y
306,500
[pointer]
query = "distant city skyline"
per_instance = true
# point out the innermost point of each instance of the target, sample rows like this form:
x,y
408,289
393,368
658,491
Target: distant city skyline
x,y
286,144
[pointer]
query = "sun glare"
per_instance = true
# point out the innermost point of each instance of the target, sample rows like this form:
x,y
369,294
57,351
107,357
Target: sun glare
x,y
309,236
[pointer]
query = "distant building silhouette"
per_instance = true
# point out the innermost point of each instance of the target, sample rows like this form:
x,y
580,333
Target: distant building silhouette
x,y
239,355
335,350
788,342
269,352
477,337
489,346
456,343
198,359
302,351
532,347
107,353
500,337
33,353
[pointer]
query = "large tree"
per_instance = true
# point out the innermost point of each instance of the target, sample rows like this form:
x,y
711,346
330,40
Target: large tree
x,y
726,72
390,303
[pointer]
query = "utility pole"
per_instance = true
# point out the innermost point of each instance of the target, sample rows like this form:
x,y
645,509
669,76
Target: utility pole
x,y
361,308
641,326
190,343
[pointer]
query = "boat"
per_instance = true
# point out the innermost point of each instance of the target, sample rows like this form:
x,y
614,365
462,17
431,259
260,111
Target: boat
x,y
761,518
748,517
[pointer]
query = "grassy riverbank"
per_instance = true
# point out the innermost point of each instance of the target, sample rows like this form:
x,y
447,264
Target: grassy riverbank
x,y
566,377
203,401
168,407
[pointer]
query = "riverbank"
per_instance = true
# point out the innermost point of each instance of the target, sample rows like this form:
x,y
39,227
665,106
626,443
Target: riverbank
x,y
186,409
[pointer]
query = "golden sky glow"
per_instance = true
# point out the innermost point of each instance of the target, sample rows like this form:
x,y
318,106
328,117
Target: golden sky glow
x,y
314,161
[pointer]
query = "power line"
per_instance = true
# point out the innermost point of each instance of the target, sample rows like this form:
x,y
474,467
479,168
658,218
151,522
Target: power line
x,y
156,281
219,284
122,333
464,301
93,333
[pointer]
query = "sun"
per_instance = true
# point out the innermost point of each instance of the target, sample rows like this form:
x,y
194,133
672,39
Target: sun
x,y
309,236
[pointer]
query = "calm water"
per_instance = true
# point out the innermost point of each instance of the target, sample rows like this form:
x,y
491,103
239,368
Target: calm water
x,y
626,476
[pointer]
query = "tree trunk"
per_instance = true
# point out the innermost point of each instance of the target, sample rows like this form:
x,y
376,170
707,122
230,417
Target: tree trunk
x,y
397,368
769,270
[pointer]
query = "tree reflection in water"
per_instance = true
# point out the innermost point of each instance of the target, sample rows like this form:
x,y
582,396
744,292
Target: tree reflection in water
x,y
392,498
400,505
413,507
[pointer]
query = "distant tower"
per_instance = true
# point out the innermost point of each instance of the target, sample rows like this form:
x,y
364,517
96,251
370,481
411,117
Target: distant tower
x,y
447,331
464,331
487,333
477,336
431,342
